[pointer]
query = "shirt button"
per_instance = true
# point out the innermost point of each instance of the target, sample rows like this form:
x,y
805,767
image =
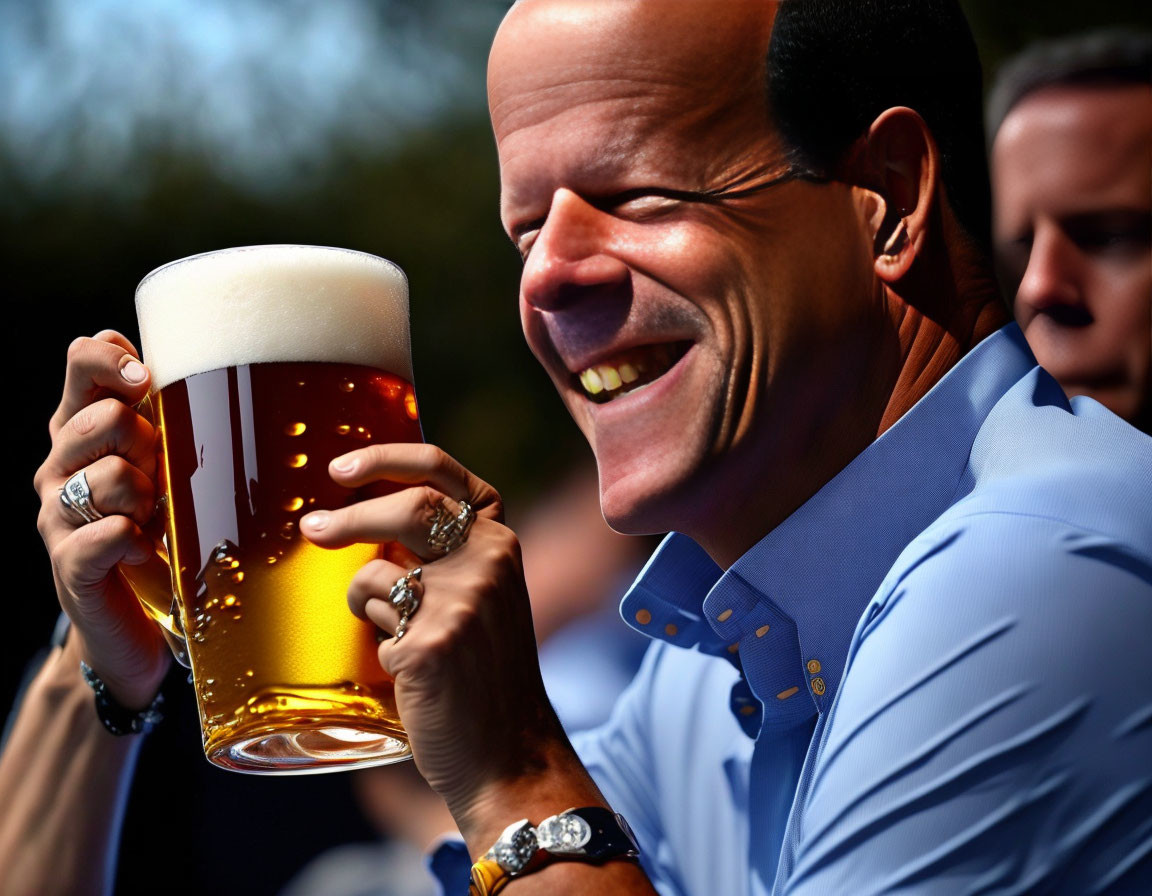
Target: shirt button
x,y
818,687
813,666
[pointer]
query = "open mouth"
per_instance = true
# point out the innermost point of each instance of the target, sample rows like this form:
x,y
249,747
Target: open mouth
x,y
629,370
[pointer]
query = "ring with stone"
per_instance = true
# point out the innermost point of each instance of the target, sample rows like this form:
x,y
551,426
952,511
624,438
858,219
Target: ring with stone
x,y
404,598
76,495
449,531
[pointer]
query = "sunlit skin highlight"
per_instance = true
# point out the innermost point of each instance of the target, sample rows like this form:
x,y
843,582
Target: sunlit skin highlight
x,y
802,350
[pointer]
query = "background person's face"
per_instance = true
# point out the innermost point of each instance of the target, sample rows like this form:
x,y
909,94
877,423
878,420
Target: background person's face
x,y
747,322
1072,179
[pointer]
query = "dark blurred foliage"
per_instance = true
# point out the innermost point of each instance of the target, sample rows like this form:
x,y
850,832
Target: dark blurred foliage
x,y
425,194
74,249
1004,27
74,246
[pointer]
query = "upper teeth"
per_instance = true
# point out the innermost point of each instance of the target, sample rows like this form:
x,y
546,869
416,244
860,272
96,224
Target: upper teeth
x,y
607,377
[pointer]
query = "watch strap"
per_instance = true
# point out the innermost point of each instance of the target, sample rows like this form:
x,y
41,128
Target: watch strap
x,y
488,878
591,834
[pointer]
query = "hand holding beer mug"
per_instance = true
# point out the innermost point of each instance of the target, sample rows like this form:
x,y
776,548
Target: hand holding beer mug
x,y
267,362
280,392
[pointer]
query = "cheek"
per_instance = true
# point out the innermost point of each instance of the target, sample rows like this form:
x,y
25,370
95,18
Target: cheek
x,y
685,257
818,291
704,265
1132,330
1122,299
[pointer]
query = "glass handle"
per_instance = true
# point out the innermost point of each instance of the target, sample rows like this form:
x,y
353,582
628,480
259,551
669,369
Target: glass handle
x,y
153,582
152,585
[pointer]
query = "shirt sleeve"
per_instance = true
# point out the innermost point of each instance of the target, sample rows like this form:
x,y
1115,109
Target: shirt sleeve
x,y
450,866
994,725
618,756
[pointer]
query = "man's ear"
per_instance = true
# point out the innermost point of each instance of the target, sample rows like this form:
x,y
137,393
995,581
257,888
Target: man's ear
x,y
899,163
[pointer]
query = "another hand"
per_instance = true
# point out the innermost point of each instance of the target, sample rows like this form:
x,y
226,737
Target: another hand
x,y
468,684
96,429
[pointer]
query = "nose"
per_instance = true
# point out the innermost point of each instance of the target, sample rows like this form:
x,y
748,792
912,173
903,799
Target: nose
x,y
1053,276
571,255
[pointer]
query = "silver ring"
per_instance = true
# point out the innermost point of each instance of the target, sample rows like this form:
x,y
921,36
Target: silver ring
x,y
448,532
77,497
404,598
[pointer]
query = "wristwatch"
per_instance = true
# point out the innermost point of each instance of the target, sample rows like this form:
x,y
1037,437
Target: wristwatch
x,y
591,834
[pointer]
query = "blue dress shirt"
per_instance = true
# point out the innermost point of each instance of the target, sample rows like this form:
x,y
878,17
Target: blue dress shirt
x,y
934,677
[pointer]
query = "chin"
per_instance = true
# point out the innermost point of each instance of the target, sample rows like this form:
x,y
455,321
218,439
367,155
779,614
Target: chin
x,y
644,499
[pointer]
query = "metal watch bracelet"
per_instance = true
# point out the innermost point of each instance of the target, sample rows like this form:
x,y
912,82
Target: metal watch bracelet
x,y
591,834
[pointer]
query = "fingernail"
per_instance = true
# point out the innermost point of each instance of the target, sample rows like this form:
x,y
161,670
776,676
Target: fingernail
x,y
134,372
344,464
316,521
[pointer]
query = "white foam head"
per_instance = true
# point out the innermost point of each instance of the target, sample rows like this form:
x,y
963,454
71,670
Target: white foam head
x,y
273,303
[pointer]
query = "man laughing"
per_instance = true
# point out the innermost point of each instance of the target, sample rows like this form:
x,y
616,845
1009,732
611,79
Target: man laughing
x,y
900,628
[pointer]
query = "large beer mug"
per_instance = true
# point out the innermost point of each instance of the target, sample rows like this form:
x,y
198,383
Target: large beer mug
x,y
267,362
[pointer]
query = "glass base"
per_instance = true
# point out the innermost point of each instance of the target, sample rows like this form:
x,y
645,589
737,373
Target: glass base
x,y
308,751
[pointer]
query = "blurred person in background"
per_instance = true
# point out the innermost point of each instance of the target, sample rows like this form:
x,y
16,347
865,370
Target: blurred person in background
x,y
1071,129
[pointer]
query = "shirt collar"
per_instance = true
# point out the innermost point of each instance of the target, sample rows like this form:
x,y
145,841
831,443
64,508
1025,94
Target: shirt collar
x,y
788,607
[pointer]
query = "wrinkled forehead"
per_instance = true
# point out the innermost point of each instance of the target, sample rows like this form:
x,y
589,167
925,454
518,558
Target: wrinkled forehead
x,y
553,51
626,68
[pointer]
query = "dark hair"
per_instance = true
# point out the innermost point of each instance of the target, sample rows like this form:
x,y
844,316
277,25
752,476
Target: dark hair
x,y
834,66
1109,58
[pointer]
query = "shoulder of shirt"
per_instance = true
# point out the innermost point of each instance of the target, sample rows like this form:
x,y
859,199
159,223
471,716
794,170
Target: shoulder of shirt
x,y
1045,490
1038,455
1040,463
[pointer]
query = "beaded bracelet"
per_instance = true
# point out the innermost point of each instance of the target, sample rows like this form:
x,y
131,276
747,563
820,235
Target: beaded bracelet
x,y
118,719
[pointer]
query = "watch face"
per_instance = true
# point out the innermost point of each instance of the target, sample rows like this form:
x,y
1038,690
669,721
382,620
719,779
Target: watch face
x,y
564,834
516,847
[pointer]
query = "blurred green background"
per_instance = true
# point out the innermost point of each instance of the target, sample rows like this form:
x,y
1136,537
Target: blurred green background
x,y
133,132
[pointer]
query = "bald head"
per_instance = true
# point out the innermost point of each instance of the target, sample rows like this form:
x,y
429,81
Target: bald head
x,y
553,56
830,68
558,46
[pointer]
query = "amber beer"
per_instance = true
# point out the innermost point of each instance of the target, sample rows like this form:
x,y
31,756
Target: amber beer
x,y
268,362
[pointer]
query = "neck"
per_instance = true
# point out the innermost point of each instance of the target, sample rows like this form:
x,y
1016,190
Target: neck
x,y
933,340
930,337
